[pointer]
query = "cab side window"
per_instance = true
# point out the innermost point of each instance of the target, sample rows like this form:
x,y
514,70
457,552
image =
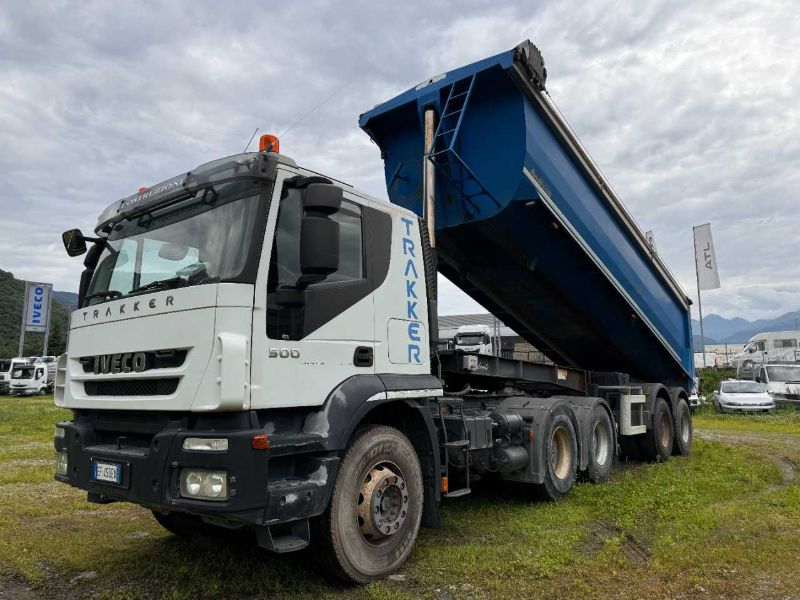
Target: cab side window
x,y
293,309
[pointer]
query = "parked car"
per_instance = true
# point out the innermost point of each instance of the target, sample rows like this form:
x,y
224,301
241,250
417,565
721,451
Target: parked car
x,y
741,395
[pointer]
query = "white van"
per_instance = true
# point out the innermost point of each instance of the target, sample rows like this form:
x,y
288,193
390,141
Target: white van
x,y
781,380
768,347
474,339
6,367
31,379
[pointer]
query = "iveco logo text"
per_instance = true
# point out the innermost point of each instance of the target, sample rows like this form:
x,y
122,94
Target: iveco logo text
x,y
38,304
414,352
119,363
134,307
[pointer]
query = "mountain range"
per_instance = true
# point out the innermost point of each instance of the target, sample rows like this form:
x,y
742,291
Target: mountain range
x,y
719,330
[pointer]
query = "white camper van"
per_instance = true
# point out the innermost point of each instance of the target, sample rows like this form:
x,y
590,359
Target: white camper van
x,y
7,365
474,339
31,379
772,346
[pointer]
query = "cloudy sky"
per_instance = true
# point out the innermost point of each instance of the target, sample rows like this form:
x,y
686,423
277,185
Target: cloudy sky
x,y
692,110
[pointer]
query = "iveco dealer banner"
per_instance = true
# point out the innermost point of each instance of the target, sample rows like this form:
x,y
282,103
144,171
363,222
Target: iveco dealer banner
x,y
707,274
37,305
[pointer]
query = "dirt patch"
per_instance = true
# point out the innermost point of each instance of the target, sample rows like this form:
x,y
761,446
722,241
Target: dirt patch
x,y
14,587
754,440
603,532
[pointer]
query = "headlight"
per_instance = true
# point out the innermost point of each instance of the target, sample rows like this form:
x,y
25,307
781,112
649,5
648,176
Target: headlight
x,y
60,432
206,444
62,463
200,484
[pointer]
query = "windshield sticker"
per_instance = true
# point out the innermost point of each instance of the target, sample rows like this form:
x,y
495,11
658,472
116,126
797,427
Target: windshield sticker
x,y
154,191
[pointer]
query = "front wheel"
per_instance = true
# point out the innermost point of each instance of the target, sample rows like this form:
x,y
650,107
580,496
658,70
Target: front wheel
x,y
373,518
42,391
181,524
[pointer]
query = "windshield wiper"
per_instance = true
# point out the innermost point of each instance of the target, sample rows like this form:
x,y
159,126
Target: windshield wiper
x,y
107,295
161,284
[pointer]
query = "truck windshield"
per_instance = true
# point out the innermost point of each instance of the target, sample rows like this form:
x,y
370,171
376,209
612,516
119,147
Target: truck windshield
x,y
22,373
5,365
742,387
471,339
203,239
787,373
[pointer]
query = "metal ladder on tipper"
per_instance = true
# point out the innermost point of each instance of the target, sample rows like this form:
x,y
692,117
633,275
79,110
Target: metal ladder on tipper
x,y
461,445
444,153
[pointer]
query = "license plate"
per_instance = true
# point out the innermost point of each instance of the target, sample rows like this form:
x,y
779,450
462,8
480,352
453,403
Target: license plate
x,y
107,472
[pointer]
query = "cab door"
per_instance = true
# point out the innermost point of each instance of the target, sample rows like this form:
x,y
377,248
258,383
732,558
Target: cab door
x,y
307,339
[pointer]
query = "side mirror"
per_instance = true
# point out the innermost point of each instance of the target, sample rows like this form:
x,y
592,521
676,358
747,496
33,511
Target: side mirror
x,y
319,235
74,242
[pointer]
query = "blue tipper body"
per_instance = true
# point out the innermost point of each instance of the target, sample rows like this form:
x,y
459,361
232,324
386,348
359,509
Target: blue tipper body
x,y
526,224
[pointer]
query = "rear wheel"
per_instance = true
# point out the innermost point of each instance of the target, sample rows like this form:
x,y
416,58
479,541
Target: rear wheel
x,y
373,518
656,443
682,424
601,451
560,457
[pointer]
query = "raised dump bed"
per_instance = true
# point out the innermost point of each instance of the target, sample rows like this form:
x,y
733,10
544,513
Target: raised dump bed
x,y
526,224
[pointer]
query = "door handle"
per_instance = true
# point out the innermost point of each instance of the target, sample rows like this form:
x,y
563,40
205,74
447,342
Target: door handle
x,y
363,356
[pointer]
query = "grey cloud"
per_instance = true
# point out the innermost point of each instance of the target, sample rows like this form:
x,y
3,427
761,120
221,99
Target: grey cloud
x,y
689,109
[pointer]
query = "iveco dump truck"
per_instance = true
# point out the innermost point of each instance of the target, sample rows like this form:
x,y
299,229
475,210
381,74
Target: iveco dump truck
x,y
256,343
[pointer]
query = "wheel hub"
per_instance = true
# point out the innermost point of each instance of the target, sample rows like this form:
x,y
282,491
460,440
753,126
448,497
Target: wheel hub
x,y
664,429
382,503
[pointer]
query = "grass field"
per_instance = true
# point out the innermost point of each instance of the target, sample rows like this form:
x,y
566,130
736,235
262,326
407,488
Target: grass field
x,y
722,523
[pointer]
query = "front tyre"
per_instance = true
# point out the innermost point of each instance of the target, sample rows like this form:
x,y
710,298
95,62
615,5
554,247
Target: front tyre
x,y
373,518
181,524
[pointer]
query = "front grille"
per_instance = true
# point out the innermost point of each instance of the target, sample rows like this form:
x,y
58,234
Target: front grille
x,y
132,387
159,359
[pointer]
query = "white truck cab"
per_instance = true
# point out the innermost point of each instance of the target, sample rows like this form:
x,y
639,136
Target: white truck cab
x,y
474,339
782,381
7,366
29,379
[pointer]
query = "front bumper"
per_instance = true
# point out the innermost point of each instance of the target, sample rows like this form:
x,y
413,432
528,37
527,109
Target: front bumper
x,y
787,399
151,464
746,407
21,391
